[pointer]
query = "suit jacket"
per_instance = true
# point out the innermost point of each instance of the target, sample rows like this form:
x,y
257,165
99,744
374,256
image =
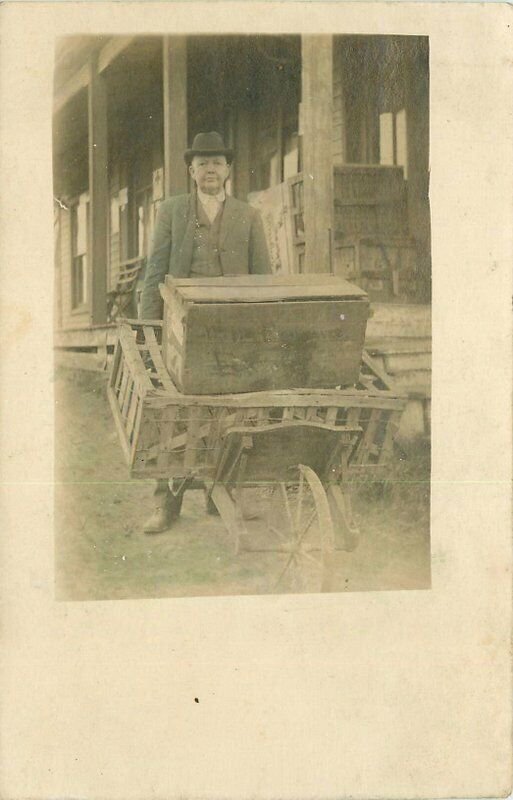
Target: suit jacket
x,y
242,246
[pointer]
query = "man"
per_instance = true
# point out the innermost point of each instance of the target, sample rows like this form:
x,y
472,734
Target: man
x,y
204,234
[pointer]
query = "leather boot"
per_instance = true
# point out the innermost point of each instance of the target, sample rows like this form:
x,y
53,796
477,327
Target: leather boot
x,y
164,512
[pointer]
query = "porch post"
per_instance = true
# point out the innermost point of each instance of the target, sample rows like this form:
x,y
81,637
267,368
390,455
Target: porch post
x,y
98,195
339,104
317,131
243,151
174,64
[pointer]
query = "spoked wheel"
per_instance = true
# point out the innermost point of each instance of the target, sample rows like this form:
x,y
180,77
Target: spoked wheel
x,y
300,521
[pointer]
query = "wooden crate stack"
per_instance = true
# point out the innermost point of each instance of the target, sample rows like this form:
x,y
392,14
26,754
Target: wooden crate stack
x,y
371,242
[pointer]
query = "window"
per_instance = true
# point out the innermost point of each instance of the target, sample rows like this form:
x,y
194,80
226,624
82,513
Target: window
x,y
145,220
392,139
79,231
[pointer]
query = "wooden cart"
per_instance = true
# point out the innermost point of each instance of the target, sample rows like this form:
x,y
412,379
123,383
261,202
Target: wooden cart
x,y
289,453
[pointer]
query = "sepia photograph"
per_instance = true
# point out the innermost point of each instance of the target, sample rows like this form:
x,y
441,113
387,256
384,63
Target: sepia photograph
x,y
242,314
256,400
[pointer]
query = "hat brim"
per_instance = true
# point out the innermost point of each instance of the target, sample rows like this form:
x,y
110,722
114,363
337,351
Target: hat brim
x,y
227,151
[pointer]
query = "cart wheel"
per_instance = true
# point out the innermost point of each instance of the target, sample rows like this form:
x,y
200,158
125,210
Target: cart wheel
x,y
304,530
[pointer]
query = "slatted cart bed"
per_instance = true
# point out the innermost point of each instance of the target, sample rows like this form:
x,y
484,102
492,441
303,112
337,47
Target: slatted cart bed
x,y
295,448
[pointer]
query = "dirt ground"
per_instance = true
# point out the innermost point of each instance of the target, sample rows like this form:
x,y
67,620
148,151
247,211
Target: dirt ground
x,y
102,554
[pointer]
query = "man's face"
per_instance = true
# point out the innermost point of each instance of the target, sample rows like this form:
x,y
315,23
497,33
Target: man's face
x,y
209,172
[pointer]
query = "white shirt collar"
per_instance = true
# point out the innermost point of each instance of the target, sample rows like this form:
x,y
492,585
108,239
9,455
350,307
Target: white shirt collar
x,y
207,199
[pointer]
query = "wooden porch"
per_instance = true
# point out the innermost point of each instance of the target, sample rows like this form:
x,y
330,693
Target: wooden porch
x,y
348,113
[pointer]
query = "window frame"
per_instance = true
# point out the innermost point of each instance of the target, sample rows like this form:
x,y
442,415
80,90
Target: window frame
x,y
79,304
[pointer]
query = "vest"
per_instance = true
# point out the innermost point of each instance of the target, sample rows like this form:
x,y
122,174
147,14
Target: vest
x,y
205,249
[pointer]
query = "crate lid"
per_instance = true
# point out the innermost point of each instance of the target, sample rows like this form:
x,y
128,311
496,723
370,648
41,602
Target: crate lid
x,y
261,288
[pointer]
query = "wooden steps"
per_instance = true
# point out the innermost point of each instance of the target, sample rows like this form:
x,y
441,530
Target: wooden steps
x,y
399,338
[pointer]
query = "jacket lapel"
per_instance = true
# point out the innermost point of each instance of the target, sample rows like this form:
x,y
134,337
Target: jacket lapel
x,y
228,219
189,224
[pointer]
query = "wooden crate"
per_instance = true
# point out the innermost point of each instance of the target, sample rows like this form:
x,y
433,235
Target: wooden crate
x,y
370,228
166,434
262,332
385,267
362,183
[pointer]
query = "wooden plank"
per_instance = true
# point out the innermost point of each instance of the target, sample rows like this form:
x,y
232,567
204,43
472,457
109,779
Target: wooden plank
x,y
316,127
113,400
123,388
136,431
133,357
132,412
120,369
401,362
115,370
260,292
98,195
140,323
179,440
87,337
373,365
317,279
157,360
266,400
174,73
127,398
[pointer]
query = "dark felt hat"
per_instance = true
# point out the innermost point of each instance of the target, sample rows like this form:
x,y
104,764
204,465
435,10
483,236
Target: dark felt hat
x,y
208,144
